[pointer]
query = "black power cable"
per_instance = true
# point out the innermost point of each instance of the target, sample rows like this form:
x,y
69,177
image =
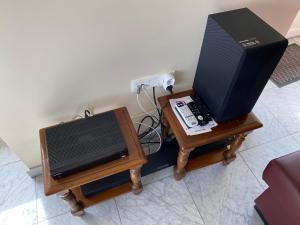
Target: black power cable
x,y
155,122
87,113
170,89
148,130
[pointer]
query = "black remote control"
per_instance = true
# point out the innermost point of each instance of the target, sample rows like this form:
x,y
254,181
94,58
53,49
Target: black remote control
x,y
200,111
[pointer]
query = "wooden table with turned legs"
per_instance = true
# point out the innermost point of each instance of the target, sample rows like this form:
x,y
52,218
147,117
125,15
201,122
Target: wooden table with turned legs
x,y
68,187
234,131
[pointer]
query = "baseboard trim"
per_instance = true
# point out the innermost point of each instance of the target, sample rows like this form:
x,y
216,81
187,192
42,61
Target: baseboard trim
x,y
293,33
35,171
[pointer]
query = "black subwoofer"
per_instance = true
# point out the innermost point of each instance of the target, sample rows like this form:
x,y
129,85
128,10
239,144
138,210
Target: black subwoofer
x,y
238,55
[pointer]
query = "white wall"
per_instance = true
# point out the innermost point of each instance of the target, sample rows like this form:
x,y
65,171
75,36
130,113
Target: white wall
x,y
59,56
294,30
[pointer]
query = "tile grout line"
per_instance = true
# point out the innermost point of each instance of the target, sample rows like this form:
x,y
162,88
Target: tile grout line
x,y
48,218
118,211
263,188
157,179
6,164
143,185
297,141
15,188
275,117
277,120
268,142
193,201
52,217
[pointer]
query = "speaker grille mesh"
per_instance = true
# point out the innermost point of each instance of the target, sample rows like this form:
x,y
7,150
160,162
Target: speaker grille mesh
x,y
84,141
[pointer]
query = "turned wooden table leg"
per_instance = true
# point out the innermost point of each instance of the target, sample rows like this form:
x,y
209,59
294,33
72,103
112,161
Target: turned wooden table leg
x,y
135,175
70,199
229,155
182,159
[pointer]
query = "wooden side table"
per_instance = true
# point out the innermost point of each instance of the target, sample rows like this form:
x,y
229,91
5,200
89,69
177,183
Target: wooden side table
x,y
68,186
235,130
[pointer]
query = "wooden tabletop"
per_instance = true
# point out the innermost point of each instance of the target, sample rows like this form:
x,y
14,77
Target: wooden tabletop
x,y
224,130
135,158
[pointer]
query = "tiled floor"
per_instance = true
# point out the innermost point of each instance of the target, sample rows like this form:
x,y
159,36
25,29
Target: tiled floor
x,y
215,195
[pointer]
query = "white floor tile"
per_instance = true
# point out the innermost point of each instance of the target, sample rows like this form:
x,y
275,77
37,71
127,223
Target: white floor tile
x,y
104,213
151,178
271,129
297,40
163,202
6,155
48,206
257,158
225,195
297,137
284,103
17,196
270,84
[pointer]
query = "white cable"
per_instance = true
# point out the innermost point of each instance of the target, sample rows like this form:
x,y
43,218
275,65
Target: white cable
x,y
153,130
150,99
140,105
143,109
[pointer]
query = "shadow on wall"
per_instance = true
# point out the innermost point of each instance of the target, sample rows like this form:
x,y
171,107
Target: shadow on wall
x,y
271,11
279,14
65,101
2,143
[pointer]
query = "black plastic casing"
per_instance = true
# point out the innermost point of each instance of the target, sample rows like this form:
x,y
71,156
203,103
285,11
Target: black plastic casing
x,y
238,55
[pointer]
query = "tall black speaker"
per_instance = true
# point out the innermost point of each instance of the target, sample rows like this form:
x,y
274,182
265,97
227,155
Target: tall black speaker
x,y
238,55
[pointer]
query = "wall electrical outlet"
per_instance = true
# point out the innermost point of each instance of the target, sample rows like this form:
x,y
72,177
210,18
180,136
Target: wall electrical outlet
x,y
155,80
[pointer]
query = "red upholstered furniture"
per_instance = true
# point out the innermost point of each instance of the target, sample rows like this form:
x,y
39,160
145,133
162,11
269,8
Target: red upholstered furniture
x,y
280,203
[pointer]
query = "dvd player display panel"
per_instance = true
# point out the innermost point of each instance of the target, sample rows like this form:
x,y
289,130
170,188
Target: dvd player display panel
x,y
84,143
